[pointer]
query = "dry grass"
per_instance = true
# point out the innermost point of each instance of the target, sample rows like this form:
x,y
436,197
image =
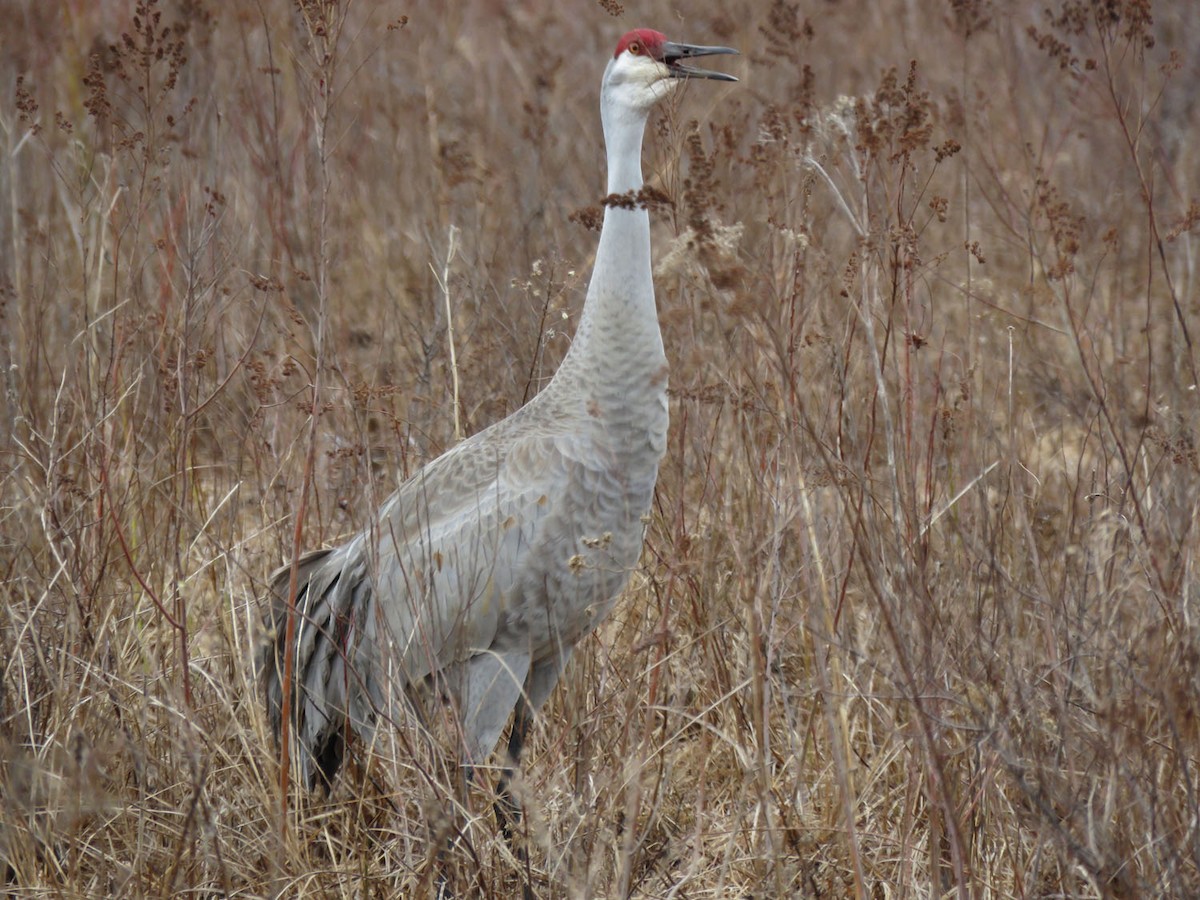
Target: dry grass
x,y
919,609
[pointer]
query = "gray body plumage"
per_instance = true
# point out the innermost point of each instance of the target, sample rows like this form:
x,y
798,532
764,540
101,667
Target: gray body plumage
x,y
487,567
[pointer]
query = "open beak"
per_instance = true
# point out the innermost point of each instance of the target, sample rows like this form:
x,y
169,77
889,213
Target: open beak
x,y
672,53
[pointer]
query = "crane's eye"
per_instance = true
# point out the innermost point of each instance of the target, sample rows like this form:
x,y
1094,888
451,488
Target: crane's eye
x,y
635,48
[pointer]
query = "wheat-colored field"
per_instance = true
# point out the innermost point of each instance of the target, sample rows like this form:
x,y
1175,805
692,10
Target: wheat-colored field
x,y
919,610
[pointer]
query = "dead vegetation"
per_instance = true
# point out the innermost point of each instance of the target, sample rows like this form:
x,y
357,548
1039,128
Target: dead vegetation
x,y
918,613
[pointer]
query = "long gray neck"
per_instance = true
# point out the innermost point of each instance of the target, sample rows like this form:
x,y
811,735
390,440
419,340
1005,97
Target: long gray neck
x,y
618,339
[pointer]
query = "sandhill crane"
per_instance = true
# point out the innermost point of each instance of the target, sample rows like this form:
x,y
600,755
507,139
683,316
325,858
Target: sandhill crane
x,y
484,570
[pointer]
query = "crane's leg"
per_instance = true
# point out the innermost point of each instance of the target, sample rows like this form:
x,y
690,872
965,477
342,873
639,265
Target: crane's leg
x,y
491,685
543,676
488,687
508,811
506,808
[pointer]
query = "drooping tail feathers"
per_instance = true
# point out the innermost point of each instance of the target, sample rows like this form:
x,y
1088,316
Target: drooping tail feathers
x,y
319,668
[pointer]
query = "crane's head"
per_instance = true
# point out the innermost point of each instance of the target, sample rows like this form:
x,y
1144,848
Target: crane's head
x,y
646,67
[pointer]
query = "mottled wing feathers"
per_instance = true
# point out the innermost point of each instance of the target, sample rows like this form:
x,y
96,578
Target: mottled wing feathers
x,y
452,542
447,548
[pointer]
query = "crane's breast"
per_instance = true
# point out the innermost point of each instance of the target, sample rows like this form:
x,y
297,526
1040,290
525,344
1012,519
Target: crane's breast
x,y
521,542
582,537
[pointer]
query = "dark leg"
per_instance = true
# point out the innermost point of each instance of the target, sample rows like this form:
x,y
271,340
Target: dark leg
x,y
507,810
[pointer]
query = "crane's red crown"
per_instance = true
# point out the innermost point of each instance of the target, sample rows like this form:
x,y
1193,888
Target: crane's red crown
x,y
646,41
